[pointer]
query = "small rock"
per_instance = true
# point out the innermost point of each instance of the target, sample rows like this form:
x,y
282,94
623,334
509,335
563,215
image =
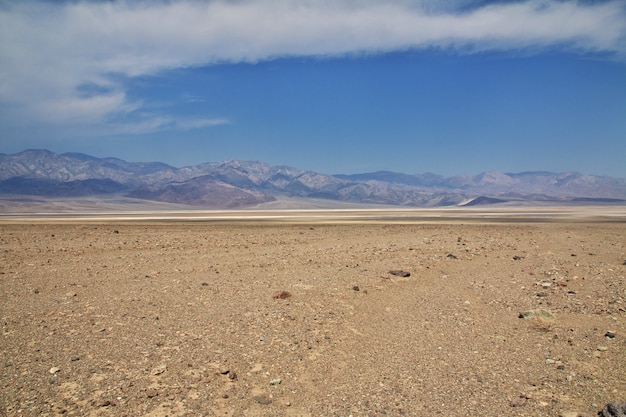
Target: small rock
x,y
281,295
400,273
602,348
224,396
159,369
276,381
613,409
262,399
609,335
518,402
232,375
103,403
224,370
356,288
541,313
75,358
54,370
518,258
151,392
451,256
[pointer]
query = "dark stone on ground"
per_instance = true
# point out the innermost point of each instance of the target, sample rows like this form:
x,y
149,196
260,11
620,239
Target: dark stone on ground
x,y
262,399
400,273
282,295
613,409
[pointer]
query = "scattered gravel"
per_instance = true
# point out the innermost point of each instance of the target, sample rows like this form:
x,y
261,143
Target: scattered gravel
x,y
185,319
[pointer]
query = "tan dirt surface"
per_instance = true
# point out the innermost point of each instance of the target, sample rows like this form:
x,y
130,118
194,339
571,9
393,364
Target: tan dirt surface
x,y
304,319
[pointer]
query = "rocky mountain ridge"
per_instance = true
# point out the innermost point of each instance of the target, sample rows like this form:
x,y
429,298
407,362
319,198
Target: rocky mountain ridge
x,y
234,184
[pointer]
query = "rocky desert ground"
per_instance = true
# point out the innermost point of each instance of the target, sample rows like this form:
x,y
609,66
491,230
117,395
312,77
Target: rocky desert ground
x,y
487,316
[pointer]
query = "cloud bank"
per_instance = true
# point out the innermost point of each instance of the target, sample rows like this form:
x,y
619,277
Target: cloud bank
x,y
49,52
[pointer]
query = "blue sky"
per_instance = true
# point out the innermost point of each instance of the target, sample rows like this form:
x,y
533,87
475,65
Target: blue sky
x,y
340,86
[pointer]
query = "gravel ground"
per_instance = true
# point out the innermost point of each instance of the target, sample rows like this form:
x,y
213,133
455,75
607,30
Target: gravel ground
x,y
208,319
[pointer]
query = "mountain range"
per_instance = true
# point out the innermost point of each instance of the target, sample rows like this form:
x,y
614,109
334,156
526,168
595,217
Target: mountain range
x,y
236,184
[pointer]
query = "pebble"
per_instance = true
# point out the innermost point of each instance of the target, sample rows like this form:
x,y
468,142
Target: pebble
x,y
609,335
518,402
602,348
263,399
54,370
281,295
159,369
276,381
400,273
224,370
544,314
151,392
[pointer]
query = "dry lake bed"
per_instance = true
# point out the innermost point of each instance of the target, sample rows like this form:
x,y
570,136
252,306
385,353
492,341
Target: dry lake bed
x,y
314,313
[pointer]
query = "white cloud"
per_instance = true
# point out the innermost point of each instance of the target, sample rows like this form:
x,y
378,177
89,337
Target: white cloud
x,y
148,123
48,50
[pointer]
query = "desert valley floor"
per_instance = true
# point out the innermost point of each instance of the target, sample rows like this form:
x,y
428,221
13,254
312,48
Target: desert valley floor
x,y
130,317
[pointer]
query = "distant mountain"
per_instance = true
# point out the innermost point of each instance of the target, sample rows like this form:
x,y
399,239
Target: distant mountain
x,y
513,186
37,163
233,184
53,188
205,191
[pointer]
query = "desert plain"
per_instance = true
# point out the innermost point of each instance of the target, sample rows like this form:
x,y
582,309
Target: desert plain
x,y
315,314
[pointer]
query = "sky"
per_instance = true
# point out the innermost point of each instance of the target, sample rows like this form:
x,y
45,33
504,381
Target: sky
x,y
334,86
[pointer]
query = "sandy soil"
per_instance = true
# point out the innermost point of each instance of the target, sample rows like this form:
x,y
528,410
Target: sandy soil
x,y
304,319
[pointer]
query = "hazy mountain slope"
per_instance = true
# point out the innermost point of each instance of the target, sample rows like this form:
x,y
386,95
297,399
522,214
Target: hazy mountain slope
x,y
54,188
203,191
569,184
231,184
37,163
